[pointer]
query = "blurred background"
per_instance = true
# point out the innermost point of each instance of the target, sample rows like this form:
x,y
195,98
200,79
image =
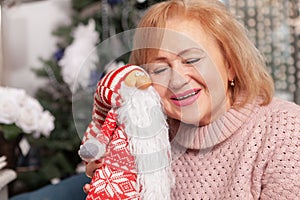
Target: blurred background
x,y
45,44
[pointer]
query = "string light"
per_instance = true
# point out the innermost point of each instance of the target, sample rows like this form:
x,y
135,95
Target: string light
x,y
273,26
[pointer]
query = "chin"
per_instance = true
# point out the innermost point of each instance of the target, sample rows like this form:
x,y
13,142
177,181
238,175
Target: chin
x,y
191,121
192,118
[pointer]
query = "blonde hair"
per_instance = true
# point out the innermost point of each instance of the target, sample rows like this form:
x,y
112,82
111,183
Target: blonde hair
x,y
251,76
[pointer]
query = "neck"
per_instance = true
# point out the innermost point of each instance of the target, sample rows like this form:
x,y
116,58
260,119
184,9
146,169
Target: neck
x,y
203,137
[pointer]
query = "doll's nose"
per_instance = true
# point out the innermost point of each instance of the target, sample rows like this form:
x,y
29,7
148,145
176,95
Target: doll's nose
x,y
143,82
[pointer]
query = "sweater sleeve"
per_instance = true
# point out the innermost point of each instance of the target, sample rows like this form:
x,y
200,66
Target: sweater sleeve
x,y
281,178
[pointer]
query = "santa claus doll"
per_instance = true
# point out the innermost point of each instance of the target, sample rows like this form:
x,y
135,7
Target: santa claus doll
x,y
129,135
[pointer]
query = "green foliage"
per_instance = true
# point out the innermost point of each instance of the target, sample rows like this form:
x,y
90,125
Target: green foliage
x,y
64,33
79,5
10,131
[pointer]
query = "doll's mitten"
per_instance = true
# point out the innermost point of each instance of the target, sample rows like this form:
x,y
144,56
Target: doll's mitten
x,y
92,150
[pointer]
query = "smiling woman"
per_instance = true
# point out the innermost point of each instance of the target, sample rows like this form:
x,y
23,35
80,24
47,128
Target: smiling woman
x,y
230,136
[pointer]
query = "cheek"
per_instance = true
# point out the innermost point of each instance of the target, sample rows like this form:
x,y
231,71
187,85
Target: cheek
x,y
161,91
211,76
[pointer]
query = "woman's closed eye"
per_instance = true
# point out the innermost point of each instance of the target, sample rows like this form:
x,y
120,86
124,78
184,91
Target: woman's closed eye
x,y
159,69
191,60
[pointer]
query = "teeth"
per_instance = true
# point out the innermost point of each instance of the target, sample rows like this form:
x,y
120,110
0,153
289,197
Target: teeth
x,y
186,96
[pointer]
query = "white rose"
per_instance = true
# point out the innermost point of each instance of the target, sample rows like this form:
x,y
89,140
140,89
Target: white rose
x,y
46,124
19,94
32,103
10,99
30,113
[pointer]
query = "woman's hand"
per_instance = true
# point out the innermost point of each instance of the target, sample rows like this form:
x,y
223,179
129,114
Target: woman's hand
x,y
86,188
90,169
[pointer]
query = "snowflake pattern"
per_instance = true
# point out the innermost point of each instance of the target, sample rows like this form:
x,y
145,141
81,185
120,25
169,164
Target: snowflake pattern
x,y
117,178
113,183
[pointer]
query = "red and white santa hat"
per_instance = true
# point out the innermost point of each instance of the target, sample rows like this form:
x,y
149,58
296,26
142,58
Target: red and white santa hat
x,y
107,92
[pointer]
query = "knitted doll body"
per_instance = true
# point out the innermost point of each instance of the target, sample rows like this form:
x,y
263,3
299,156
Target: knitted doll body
x,y
129,135
116,179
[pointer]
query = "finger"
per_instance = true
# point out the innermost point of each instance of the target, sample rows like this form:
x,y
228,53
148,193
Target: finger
x,y
91,168
86,188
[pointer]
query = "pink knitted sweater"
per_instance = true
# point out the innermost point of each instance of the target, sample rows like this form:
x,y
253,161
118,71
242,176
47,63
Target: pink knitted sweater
x,y
250,153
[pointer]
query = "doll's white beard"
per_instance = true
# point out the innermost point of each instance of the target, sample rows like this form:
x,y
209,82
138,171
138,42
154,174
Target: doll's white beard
x,y
147,131
141,109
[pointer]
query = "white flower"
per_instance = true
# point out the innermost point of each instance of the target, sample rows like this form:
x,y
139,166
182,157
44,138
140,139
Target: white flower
x,y
45,124
10,104
16,107
80,58
30,114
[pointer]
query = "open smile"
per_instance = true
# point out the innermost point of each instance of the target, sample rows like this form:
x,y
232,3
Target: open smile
x,y
186,98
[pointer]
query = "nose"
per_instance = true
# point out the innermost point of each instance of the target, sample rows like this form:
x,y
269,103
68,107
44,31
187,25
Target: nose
x,y
178,78
143,82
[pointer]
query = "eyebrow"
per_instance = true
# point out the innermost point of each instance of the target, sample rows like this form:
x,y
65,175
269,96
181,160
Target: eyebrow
x,y
160,59
179,54
190,49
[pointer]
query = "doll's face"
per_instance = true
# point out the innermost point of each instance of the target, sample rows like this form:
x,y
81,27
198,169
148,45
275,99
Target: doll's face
x,y
138,79
191,77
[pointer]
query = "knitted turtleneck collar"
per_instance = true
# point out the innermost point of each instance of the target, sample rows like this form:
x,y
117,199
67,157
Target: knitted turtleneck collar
x,y
203,137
